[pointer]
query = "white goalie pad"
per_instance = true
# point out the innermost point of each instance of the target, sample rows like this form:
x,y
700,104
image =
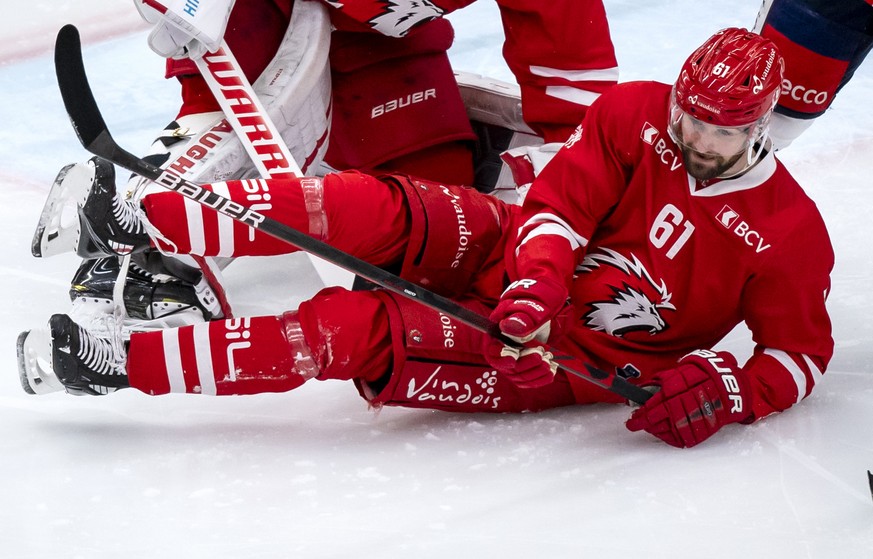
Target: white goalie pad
x,y
295,90
492,101
498,104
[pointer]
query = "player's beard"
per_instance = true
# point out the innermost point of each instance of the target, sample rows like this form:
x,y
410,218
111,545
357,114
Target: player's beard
x,y
704,167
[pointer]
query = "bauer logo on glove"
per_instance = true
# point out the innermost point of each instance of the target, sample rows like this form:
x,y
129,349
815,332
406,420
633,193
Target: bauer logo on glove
x,y
706,391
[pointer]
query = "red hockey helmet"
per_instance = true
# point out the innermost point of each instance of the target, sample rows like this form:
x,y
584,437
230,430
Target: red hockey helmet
x,y
733,79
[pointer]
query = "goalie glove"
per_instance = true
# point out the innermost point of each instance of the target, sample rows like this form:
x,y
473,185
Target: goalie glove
x,y
529,311
705,392
184,28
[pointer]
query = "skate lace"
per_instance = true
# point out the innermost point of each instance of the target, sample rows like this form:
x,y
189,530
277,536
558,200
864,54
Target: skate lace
x,y
166,246
127,217
98,355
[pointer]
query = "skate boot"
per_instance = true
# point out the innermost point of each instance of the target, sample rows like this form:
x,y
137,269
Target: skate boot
x,y
109,224
70,358
147,296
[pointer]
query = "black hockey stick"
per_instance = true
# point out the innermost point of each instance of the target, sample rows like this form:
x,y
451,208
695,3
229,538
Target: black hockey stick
x,y
94,135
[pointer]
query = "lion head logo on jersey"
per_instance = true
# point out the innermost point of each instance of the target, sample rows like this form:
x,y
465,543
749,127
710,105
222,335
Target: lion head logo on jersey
x,y
396,17
633,303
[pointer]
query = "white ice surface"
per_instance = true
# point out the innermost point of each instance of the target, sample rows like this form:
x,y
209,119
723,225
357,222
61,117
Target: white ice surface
x,y
313,473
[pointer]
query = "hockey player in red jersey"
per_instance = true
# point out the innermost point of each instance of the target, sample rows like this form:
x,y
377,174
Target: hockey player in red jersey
x,y
664,222
723,221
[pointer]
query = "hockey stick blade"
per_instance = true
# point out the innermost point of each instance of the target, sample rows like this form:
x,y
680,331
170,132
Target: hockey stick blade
x,y
80,104
75,89
95,137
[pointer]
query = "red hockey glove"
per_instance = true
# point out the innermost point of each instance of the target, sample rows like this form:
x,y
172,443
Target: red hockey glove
x,y
705,392
527,367
527,307
529,311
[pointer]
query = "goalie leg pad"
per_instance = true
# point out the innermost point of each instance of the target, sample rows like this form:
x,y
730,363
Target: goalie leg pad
x,y
455,233
438,364
294,87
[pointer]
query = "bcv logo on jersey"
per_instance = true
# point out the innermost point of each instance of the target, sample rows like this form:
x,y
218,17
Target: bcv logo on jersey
x,y
732,222
652,136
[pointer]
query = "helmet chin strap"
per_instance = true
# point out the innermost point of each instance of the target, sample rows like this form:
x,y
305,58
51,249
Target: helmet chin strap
x,y
756,149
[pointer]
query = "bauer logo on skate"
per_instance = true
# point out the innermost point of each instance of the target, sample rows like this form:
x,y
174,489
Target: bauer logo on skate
x,y
440,390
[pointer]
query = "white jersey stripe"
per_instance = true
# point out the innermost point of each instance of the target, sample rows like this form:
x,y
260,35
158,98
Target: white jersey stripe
x,y
194,219
203,353
550,224
225,224
173,360
814,371
796,373
572,95
596,75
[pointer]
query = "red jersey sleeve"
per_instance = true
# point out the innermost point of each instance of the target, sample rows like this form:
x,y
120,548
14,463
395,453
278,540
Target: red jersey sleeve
x,y
573,193
784,307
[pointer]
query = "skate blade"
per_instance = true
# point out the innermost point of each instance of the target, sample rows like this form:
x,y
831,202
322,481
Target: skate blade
x,y
58,228
34,348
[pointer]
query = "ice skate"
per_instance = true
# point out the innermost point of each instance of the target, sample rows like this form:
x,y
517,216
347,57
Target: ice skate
x,y
146,296
70,358
109,225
